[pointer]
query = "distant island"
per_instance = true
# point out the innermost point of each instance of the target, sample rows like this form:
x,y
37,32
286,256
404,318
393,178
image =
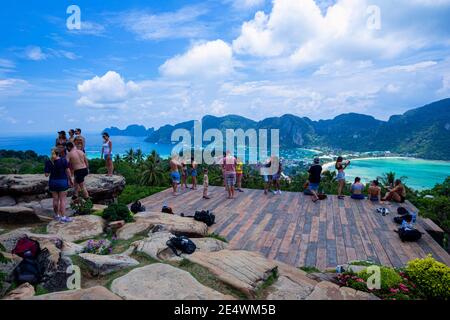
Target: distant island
x,y
422,132
133,130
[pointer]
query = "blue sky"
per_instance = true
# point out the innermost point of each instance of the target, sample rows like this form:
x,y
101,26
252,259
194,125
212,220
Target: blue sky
x,y
158,62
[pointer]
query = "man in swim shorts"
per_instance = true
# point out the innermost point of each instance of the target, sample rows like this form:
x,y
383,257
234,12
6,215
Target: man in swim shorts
x,y
174,173
80,167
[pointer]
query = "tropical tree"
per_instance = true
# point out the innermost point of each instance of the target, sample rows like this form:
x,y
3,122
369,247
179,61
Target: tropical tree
x,y
153,172
388,178
117,159
139,156
129,156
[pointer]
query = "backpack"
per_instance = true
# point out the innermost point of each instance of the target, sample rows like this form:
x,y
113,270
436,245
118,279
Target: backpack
x,y
137,207
383,211
399,220
322,196
205,216
402,211
167,209
27,248
28,271
182,243
409,234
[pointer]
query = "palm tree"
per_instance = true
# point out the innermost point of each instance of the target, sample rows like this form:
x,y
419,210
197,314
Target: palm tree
x,y
139,156
117,159
129,156
388,178
153,173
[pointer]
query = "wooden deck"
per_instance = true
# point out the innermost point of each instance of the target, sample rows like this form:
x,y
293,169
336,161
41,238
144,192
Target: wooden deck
x,y
293,229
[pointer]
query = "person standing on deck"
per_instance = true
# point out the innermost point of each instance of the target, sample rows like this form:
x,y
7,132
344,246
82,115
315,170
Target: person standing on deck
x,y
315,172
239,174
205,184
229,166
174,174
82,143
340,166
194,173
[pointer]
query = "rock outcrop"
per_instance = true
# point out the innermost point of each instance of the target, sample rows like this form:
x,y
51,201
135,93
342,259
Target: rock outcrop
x,y
94,293
22,292
17,215
105,264
162,282
34,187
81,228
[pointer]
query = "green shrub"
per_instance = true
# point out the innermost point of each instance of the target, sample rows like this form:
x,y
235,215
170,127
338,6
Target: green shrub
x,y
431,277
82,206
131,193
116,212
389,277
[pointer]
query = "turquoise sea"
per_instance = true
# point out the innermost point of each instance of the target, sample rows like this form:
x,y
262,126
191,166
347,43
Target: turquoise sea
x,y
421,174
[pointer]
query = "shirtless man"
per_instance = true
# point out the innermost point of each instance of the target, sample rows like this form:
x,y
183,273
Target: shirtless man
x,y
79,164
194,173
174,174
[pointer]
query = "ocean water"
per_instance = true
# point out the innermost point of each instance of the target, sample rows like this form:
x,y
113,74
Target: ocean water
x,y
421,174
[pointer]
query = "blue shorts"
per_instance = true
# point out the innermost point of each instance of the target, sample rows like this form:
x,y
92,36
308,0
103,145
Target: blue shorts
x,y
340,176
175,177
358,196
106,156
313,186
276,177
267,178
58,185
374,199
194,173
230,179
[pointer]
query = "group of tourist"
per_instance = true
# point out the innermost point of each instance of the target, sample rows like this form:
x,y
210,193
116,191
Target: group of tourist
x,y
396,192
68,167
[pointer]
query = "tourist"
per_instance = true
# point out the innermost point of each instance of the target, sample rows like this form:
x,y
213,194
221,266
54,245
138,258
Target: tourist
x,y
374,191
78,142
205,184
194,173
229,166
62,139
357,189
239,174
174,174
313,183
184,175
397,193
80,166
71,135
340,166
83,140
107,153
57,169
266,176
61,147
276,176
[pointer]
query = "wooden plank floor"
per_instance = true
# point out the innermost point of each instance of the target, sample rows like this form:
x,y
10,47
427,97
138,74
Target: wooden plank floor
x,y
293,229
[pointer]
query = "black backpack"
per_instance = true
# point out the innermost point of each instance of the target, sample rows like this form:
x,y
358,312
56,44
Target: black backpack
x,y
402,211
409,235
166,209
137,207
182,243
29,271
400,219
205,216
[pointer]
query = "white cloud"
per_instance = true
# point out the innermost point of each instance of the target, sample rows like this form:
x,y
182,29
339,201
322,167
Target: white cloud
x,y
12,86
246,4
206,60
298,33
107,91
168,25
89,28
411,67
7,64
35,54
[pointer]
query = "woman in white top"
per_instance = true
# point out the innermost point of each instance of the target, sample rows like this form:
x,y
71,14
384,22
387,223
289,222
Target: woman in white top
x,y
107,153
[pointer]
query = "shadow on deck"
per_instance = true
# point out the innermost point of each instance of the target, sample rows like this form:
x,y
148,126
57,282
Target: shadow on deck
x,y
293,229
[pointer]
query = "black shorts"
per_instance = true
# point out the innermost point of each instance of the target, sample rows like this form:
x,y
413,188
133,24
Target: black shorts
x,y
80,175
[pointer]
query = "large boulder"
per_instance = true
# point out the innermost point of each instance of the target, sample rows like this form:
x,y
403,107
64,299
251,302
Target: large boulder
x,y
330,291
162,282
31,187
244,270
174,224
105,264
81,228
18,215
94,293
155,245
17,185
129,230
44,208
22,292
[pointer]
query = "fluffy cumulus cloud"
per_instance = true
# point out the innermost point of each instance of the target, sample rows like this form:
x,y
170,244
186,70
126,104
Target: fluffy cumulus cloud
x,y
298,33
205,60
109,90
